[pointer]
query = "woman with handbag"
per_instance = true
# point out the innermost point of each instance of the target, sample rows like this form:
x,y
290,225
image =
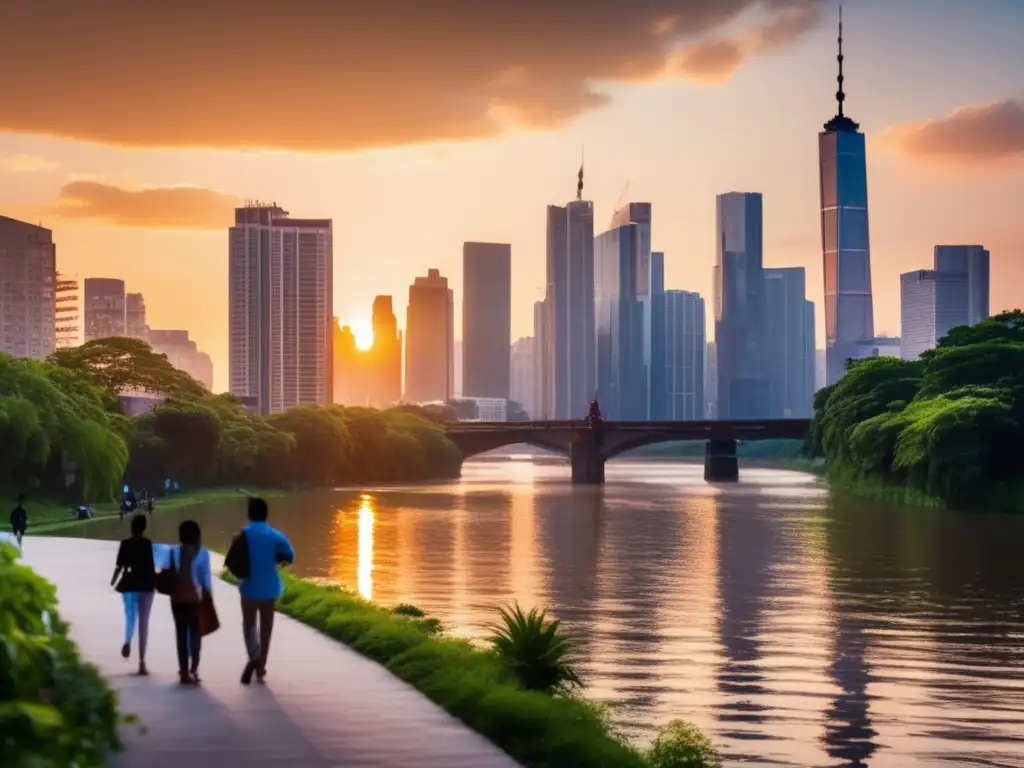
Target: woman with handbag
x,y
135,578
188,582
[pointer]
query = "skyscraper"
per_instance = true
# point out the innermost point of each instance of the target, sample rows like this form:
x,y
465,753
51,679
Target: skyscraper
x,y
385,355
430,340
569,354
106,312
972,260
684,356
657,399
619,318
280,301
28,281
543,359
845,241
789,351
183,354
640,214
523,384
486,319
135,316
743,389
931,302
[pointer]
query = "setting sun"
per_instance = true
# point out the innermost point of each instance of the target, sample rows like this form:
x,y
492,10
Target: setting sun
x,y
362,329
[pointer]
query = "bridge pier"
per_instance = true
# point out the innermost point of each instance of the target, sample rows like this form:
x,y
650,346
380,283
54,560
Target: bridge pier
x,y
720,463
585,458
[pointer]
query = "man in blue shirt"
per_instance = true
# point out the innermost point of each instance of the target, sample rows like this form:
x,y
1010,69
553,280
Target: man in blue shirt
x,y
268,547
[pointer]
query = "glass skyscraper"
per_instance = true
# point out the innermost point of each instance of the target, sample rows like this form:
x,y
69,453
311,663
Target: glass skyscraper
x,y
789,340
972,260
931,302
684,355
845,243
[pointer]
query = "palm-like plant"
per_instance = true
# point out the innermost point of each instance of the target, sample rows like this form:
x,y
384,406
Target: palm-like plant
x,y
534,650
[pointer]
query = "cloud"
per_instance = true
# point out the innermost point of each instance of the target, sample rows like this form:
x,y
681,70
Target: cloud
x,y
977,133
158,207
27,164
317,75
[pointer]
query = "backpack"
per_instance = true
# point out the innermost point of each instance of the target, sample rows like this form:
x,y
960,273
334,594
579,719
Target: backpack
x,y
237,560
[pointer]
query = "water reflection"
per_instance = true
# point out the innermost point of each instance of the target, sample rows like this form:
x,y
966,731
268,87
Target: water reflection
x,y
796,630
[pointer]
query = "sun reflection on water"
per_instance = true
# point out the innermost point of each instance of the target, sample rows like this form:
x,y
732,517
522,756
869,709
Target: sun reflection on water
x,y
364,569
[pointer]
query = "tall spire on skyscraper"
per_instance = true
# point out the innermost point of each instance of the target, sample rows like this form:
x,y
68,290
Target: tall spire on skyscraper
x,y
579,179
840,122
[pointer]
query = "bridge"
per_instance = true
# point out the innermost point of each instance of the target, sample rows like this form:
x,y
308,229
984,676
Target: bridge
x,y
590,442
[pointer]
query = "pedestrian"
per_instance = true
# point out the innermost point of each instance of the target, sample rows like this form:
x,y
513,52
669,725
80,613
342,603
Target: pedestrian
x,y
261,584
136,584
190,567
19,520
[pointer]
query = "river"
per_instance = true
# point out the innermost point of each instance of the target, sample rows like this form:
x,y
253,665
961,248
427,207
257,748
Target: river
x,y
794,628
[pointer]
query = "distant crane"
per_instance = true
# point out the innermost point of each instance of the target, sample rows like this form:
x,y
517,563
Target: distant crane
x,y
622,197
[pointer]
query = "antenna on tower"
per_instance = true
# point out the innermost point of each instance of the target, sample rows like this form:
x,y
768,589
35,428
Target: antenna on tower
x,y
840,96
579,177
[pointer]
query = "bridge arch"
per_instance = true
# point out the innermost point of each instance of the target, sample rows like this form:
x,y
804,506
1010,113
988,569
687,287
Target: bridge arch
x,y
474,445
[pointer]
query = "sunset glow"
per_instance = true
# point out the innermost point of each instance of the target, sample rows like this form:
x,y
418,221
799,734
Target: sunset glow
x,y
362,329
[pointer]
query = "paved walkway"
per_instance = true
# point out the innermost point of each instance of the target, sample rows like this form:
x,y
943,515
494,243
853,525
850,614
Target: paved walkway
x,y
322,705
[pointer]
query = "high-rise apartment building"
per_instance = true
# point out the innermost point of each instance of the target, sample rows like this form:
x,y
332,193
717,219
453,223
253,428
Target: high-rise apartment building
x,y
640,214
619,323
28,281
106,306
931,302
386,354
711,380
657,400
684,356
280,299
486,319
543,384
135,316
972,260
183,354
66,323
522,359
789,343
430,340
743,387
569,359
845,241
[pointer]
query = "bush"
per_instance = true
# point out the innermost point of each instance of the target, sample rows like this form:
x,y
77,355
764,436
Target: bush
x,y
534,651
682,745
55,710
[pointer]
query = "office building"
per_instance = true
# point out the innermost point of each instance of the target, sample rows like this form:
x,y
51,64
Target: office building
x,y
486,319
183,354
523,385
385,356
542,380
619,316
931,303
66,317
711,380
280,300
684,356
640,214
569,353
350,385
880,346
28,281
846,248
135,317
972,260
105,305
657,399
743,388
430,340
789,343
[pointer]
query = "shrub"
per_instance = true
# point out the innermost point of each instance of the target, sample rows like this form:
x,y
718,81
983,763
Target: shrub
x,y
534,651
55,710
682,745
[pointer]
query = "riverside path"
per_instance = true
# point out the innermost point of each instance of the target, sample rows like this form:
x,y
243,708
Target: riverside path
x,y
322,705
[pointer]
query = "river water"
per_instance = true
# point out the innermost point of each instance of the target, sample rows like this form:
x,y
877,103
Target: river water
x,y
794,628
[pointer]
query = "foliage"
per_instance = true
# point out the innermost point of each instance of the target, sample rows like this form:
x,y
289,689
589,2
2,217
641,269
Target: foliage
x,y
121,365
538,730
534,651
946,427
55,710
681,745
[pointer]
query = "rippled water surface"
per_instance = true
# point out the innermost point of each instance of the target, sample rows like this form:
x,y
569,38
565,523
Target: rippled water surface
x,y
794,628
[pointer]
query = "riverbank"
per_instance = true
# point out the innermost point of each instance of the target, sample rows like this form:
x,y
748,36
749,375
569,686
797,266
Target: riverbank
x,y
1005,497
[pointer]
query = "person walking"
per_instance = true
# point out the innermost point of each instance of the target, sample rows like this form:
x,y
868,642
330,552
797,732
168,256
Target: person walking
x,y
190,562
19,520
261,586
136,584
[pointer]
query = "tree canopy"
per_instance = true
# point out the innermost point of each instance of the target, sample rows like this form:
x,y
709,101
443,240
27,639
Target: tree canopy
x,y
947,425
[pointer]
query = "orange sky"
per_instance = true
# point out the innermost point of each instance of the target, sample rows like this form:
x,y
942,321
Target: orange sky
x,y
415,130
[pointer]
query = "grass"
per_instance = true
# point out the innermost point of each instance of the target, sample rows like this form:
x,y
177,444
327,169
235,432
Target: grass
x,y
46,516
538,730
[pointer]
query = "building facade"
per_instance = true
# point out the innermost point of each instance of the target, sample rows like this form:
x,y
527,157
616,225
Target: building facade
x,y
543,397
105,307
685,343
386,354
619,316
789,343
931,303
523,386
743,387
430,340
280,299
641,215
28,283
486,319
135,316
183,354
845,240
972,260
657,371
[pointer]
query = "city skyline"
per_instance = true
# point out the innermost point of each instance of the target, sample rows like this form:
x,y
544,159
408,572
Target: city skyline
x,y
401,210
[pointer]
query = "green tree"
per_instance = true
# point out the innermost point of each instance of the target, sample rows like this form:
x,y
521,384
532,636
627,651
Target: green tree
x,y
191,432
322,442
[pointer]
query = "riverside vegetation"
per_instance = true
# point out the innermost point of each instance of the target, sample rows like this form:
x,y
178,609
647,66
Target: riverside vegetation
x,y
943,430
63,417
521,692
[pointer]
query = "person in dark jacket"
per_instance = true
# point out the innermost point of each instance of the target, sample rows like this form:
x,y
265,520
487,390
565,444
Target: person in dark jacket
x,y
19,520
137,585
